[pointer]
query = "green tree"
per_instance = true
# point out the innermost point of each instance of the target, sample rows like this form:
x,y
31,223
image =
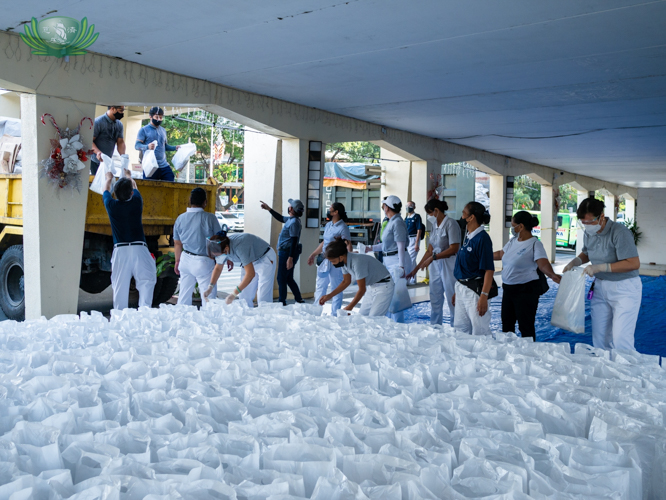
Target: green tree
x,y
526,194
181,132
568,197
360,152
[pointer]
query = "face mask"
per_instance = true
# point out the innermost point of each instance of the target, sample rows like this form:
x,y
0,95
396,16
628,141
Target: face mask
x,y
328,214
515,231
592,229
433,220
118,116
155,122
410,210
339,264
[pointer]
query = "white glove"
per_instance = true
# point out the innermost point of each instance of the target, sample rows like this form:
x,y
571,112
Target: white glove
x,y
208,291
573,263
230,298
400,272
593,269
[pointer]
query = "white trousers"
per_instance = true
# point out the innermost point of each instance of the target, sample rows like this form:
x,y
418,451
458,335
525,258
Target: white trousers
x,y
328,275
391,262
132,262
194,269
262,283
442,286
614,309
467,317
413,254
377,299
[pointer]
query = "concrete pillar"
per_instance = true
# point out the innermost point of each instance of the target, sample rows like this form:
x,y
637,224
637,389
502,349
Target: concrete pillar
x,y
131,127
609,211
579,234
53,222
396,175
295,160
548,221
501,211
422,190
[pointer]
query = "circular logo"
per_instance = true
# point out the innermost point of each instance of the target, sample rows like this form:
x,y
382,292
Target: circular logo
x,y
58,32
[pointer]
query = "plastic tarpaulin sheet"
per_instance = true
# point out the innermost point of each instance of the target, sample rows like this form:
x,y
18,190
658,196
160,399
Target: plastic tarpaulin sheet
x,y
350,175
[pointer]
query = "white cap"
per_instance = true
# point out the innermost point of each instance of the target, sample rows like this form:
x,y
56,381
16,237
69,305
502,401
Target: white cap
x,y
391,201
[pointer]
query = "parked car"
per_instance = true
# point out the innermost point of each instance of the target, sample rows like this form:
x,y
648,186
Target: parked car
x,y
230,222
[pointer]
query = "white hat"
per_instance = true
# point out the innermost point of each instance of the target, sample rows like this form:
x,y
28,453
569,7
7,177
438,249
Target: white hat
x,y
391,201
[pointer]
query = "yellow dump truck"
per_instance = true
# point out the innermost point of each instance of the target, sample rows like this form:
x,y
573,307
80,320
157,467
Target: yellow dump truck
x,y
162,203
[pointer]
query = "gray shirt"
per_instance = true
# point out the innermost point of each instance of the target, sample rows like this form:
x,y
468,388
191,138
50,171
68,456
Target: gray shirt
x,y
611,245
445,235
244,248
106,133
366,267
193,228
394,232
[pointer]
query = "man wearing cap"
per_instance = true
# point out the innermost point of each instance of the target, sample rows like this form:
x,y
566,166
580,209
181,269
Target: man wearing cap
x,y
145,140
288,248
190,233
107,134
131,257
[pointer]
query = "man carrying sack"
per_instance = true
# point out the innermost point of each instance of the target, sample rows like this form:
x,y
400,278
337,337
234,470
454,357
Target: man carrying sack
x,y
131,257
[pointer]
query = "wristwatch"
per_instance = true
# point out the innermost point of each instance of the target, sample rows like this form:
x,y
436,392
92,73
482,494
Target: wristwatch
x,y
434,256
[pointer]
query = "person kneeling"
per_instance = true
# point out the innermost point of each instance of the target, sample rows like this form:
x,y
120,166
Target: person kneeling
x,y
370,275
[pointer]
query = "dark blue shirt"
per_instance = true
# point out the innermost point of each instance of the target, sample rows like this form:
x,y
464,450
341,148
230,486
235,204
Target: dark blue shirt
x,y
106,133
148,134
414,223
125,217
475,257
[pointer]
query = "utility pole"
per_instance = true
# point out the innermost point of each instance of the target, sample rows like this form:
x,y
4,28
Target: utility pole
x,y
212,149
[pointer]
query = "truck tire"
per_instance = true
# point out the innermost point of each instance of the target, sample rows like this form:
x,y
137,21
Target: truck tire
x,y
164,289
95,282
12,294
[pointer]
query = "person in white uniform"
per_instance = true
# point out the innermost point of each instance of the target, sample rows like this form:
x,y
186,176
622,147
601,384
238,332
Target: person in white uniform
x,y
131,257
609,247
256,257
440,259
522,257
190,233
375,285
327,274
474,271
415,231
394,245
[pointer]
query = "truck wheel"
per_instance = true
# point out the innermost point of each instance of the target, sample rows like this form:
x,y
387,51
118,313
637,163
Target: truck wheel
x,y
95,282
164,289
12,295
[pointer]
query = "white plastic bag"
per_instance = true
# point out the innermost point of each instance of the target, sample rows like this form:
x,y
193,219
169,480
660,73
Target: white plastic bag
x,y
182,156
149,162
569,307
401,300
97,185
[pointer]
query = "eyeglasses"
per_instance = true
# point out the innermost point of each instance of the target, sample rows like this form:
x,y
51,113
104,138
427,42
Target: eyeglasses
x,y
583,223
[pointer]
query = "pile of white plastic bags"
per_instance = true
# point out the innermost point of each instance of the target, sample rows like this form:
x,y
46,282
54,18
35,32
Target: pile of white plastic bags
x,y
281,403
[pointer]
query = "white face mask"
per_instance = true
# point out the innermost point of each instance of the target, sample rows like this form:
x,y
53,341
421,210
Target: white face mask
x,y
592,229
433,220
514,231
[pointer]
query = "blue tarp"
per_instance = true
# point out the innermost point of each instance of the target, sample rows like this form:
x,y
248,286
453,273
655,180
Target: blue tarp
x,y
650,337
347,171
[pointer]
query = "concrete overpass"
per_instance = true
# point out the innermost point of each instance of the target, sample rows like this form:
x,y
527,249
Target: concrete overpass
x,y
564,92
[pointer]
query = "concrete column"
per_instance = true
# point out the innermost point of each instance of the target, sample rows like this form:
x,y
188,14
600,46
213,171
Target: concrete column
x,y
53,222
396,176
263,164
500,222
579,234
131,127
422,190
609,211
548,221
295,185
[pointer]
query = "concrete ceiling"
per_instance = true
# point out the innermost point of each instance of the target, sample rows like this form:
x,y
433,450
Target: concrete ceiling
x,y
469,71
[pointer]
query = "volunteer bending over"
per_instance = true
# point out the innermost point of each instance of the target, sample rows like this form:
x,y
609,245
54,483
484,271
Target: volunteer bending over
x,y
610,248
521,283
440,259
258,261
326,272
394,245
190,233
474,271
131,257
289,249
375,285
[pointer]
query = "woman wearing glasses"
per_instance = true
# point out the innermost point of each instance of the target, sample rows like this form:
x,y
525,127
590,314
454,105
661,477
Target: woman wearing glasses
x,y
609,247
